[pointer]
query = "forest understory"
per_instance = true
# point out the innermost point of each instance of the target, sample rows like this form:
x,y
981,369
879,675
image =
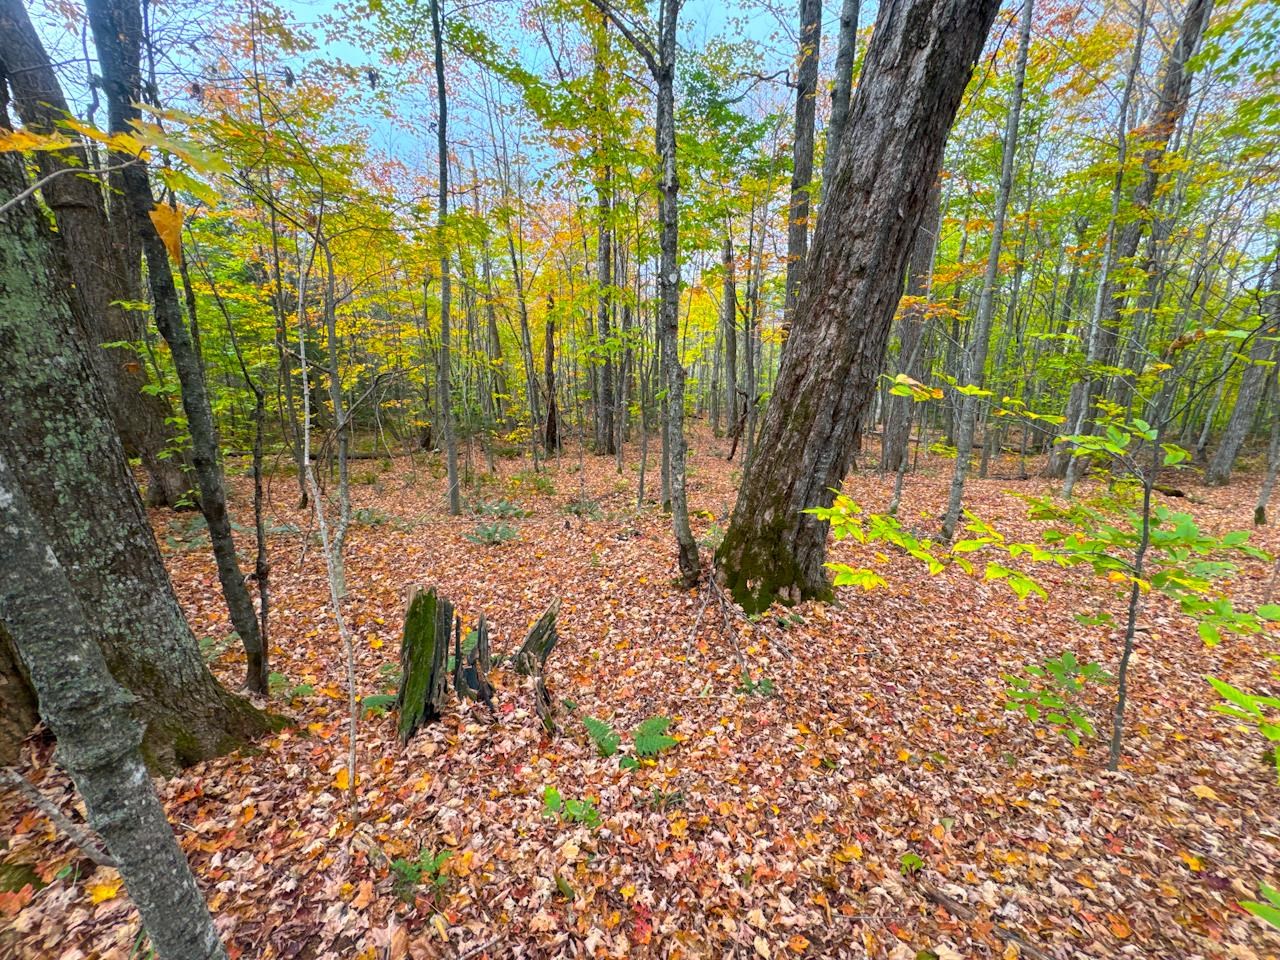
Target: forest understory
x,y
859,791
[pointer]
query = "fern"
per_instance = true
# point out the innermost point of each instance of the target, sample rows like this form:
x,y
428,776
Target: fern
x,y
604,736
651,737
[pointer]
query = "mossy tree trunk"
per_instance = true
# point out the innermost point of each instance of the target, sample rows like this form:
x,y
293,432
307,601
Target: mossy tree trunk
x,y
98,740
62,447
424,653
100,260
917,66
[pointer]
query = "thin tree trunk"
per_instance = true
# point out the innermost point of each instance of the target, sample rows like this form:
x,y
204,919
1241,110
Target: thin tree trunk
x,y
846,53
444,400
975,375
117,27
802,150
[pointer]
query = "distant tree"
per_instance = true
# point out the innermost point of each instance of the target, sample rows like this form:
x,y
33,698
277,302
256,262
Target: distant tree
x,y
917,66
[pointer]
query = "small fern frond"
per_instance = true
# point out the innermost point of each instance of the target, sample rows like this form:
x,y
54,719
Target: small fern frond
x,y
602,735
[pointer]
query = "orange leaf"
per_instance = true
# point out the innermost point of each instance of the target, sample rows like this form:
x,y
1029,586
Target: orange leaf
x,y
168,223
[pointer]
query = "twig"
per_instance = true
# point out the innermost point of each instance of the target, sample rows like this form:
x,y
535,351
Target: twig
x,y
478,948
77,834
965,913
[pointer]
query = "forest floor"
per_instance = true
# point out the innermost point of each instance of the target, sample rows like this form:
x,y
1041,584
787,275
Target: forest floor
x,y
777,827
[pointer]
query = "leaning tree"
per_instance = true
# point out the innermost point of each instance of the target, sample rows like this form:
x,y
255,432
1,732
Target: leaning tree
x,y
915,72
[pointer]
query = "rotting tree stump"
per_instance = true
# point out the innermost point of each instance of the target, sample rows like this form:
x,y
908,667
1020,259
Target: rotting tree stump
x,y
531,661
424,651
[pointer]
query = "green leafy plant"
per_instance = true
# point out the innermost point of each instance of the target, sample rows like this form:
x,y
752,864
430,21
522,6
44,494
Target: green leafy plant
x,y
378,704
606,739
583,509
427,870
568,809
503,509
909,864
648,740
1054,694
1263,713
763,687
370,516
1268,911
529,480
493,534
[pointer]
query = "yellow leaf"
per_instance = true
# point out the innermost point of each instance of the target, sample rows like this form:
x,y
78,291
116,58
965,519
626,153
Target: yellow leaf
x,y
168,223
628,891
438,922
1204,792
18,141
1192,861
343,780
102,890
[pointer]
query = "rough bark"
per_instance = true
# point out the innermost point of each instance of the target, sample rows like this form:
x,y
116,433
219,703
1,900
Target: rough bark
x,y
64,450
1252,381
117,33
802,150
920,59
846,52
98,741
103,275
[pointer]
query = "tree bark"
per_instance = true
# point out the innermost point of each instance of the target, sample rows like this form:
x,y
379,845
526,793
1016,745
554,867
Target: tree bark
x,y
1252,380
117,33
98,741
60,443
802,150
99,255
920,59
846,53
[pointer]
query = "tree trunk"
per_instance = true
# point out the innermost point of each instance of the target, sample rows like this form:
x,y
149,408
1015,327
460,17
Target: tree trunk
x,y
551,429
846,53
1252,380
917,67
911,326
98,740
975,376
802,150
117,32
444,401
61,445
99,258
